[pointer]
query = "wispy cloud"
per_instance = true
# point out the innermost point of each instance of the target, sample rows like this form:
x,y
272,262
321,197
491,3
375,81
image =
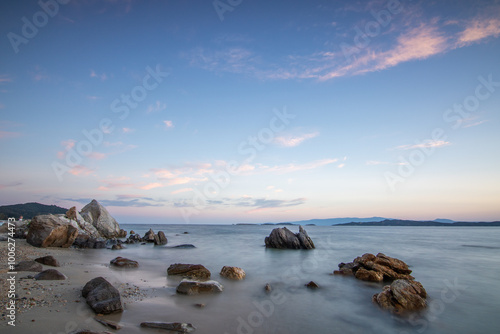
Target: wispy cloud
x,y
376,163
168,124
101,76
81,170
294,140
9,134
10,184
128,130
425,144
479,29
120,201
156,107
5,78
183,190
248,202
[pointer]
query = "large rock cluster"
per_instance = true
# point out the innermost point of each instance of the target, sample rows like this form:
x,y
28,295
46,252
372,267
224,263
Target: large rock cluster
x,y
89,228
158,239
283,238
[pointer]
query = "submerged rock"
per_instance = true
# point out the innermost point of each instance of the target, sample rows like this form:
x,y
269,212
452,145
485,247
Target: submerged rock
x,y
50,275
183,246
283,238
234,273
189,287
170,326
369,267
102,297
189,270
402,296
123,262
48,260
312,285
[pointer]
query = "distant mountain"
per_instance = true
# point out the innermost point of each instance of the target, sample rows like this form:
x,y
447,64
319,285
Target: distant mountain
x,y
331,221
398,222
28,210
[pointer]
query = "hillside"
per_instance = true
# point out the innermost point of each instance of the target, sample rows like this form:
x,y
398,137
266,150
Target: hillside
x,y
397,222
28,210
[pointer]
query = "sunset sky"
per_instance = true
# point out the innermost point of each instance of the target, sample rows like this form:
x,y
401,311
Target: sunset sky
x,y
252,111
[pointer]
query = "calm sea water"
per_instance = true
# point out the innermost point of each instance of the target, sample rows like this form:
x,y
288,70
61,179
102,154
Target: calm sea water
x,y
459,268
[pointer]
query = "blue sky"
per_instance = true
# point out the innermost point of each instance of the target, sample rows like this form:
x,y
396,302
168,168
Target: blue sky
x,y
252,111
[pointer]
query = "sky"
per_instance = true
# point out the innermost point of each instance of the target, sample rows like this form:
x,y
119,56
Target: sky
x,y
234,111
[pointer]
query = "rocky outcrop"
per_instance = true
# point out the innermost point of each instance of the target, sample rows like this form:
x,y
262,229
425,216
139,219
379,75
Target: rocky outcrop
x,y
124,262
188,287
149,236
160,239
50,275
102,297
51,231
28,266
170,326
48,260
97,215
196,271
283,238
369,267
402,296
234,273
122,234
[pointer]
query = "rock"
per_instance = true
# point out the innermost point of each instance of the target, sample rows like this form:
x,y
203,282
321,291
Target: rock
x,y
48,260
185,233
160,239
189,287
28,266
312,285
50,275
71,213
84,241
149,236
369,275
283,238
200,305
122,234
133,238
184,246
402,296
170,326
132,232
51,231
268,287
375,268
189,270
124,262
101,219
102,297
22,228
108,323
117,247
234,273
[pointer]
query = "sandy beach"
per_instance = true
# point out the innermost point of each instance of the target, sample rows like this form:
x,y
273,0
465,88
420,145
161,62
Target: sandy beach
x,y
58,306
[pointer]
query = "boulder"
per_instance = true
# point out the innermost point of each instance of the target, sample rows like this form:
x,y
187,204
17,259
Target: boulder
x,y
28,266
108,323
132,232
117,247
124,262
51,231
160,239
101,219
149,236
22,228
102,297
48,260
312,285
369,267
283,238
50,275
268,287
122,234
133,238
189,270
71,213
402,296
234,273
170,326
188,287
84,241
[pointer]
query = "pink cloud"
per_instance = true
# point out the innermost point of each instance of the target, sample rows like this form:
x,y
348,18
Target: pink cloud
x,y
8,134
97,155
426,144
183,190
168,124
80,171
152,186
479,29
292,141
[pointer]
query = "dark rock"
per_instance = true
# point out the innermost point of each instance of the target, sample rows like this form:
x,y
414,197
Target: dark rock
x,y
51,231
22,228
170,326
268,287
234,273
108,323
312,285
28,266
102,297
402,296
160,239
200,305
149,236
133,238
189,270
184,246
84,241
189,287
132,232
283,238
122,234
50,275
185,233
124,262
373,268
48,260
117,247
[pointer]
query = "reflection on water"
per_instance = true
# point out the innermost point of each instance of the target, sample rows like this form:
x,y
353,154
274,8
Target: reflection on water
x,y
462,282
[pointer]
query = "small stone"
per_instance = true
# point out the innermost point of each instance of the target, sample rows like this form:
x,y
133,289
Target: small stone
x,y
312,285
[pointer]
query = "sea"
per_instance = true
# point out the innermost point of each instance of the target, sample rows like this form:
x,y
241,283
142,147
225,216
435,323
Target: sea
x,y
458,266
